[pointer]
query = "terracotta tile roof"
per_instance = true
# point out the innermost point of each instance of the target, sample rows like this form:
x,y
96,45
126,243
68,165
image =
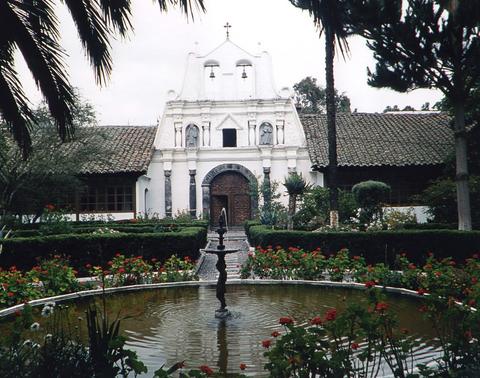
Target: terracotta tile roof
x,y
130,149
388,139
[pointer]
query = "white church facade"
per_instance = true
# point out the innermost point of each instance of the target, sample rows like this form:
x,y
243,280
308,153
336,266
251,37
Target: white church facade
x,y
226,129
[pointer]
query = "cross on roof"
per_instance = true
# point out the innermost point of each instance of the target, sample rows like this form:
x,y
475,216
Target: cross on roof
x,y
228,26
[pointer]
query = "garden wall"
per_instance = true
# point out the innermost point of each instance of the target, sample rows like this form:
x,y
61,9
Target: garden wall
x,y
98,249
379,246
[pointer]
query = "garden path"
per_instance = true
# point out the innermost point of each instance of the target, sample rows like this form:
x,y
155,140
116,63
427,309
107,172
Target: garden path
x,y
233,239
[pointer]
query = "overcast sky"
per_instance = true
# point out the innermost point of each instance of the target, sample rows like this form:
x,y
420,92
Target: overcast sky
x,y
152,61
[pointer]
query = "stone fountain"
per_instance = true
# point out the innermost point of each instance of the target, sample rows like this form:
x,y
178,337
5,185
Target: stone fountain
x,y
221,266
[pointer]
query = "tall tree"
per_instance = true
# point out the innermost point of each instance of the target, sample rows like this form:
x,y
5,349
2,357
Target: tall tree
x,y
332,19
431,44
311,98
32,28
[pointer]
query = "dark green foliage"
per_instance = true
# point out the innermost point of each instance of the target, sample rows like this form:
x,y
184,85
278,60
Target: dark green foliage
x,y
85,249
311,98
370,195
375,246
315,207
441,198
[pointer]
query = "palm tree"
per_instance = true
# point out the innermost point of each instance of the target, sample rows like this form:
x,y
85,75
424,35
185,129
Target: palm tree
x,y
296,186
331,17
32,28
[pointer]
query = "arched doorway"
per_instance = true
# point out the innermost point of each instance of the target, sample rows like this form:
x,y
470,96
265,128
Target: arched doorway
x,y
229,186
230,190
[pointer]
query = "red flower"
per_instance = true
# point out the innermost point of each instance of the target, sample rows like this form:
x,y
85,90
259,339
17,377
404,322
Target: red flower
x,y
110,263
50,207
331,314
356,258
206,369
421,291
10,294
317,320
355,346
88,266
381,307
243,366
121,270
286,320
118,254
438,273
18,313
468,335
266,343
472,302
275,334
405,331
369,284
474,280
412,266
452,263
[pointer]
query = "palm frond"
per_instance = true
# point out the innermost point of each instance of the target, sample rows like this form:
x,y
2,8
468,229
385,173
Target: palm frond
x,y
187,6
330,14
14,105
94,35
118,14
33,30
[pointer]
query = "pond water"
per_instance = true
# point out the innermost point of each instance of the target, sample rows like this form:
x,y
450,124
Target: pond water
x,y
168,325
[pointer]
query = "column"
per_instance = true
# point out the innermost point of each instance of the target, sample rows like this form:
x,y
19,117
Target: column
x,y
251,133
206,201
168,193
192,193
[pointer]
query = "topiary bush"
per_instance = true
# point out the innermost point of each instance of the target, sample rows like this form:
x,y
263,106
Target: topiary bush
x,y
370,195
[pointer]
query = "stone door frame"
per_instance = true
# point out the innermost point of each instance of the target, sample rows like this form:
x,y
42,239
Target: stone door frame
x,y
210,176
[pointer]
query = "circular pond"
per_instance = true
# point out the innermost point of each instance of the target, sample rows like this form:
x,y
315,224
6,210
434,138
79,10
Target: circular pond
x,y
168,325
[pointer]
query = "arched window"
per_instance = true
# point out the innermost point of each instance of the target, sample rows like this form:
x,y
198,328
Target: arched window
x,y
192,135
244,79
211,77
266,133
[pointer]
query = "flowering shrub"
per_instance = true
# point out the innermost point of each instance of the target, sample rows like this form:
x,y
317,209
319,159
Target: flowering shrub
x,y
122,271
56,276
15,288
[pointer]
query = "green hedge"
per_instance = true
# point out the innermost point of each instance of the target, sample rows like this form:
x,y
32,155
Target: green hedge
x,y
123,223
380,246
99,249
121,228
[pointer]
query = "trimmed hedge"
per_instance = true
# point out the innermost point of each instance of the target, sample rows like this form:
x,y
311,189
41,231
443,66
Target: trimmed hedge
x,y
121,228
99,249
125,223
380,246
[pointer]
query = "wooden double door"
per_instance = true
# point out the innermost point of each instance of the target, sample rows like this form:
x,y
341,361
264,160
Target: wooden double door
x,y
230,190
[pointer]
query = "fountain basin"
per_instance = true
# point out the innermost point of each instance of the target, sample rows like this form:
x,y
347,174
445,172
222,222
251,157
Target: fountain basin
x,y
173,322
